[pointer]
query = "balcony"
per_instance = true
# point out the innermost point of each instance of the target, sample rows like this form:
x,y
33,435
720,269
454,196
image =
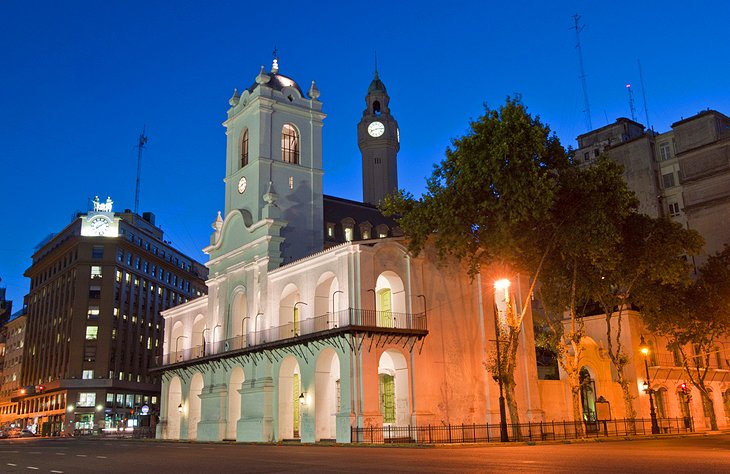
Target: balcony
x,y
666,366
401,326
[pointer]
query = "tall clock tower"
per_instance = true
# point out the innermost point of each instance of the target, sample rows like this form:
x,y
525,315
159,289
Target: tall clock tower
x,y
379,140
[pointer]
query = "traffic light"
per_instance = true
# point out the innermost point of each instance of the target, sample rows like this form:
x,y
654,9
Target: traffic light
x,y
39,388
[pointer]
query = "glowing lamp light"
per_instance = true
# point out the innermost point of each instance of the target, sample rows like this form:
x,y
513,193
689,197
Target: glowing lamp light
x,y
302,399
99,407
643,347
70,408
502,284
179,408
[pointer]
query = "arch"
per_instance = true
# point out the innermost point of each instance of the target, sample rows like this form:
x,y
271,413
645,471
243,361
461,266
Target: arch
x,y
199,336
241,319
244,149
326,394
235,382
726,402
290,312
326,302
289,144
390,300
376,107
177,342
661,401
194,402
393,388
290,389
588,393
174,406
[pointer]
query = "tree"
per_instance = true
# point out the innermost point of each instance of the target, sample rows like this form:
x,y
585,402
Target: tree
x,y
588,215
488,203
694,317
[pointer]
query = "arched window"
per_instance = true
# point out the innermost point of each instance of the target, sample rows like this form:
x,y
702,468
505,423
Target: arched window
x,y
376,108
244,149
289,144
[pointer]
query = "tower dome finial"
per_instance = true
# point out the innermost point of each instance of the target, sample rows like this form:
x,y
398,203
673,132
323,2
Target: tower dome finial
x,y
275,63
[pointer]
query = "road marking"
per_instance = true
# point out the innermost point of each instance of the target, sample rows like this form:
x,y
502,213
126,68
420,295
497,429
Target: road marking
x,y
58,472
81,455
12,452
101,457
34,452
11,464
33,467
60,454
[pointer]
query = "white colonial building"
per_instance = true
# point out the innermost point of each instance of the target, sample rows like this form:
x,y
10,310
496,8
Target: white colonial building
x,y
318,320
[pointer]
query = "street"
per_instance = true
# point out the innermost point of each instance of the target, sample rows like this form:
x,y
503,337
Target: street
x,y
79,455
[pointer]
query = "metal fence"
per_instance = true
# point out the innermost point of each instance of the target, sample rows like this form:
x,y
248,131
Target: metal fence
x,y
540,431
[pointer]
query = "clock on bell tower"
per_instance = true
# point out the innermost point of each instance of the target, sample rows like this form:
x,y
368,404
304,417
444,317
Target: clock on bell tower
x,y
379,140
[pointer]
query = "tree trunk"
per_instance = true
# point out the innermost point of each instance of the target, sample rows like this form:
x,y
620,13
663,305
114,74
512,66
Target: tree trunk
x,y
709,408
574,382
626,392
511,401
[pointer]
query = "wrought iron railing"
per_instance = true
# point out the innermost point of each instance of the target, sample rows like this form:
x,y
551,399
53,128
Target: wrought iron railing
x,y
340,321
490,432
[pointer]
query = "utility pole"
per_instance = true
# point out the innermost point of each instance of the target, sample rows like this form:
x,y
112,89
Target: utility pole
x,y
578,29
141,141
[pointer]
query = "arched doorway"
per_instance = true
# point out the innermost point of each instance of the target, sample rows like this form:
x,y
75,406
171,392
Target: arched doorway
x,y
234,401
390,300
587,395
240,320
660,400
290,312
326,302
176,348
290,390
393,388
327,394
174,407
196,388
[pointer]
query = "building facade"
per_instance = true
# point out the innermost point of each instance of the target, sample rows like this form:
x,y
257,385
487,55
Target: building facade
x,y
10,376
94,324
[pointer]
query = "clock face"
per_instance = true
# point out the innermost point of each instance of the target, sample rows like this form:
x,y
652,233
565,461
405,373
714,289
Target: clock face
x,y
99,225
376,129
242,185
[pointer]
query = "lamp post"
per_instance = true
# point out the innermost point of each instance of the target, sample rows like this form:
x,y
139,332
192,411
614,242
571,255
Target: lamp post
x,y
644,349
243,334
214,328
503,436
256,326
333,307
296,319
177,341
203,333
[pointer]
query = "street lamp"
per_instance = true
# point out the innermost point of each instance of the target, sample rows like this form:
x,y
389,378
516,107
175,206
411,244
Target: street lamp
x,y
333,306
295,318
256,327
203,334
177,342
502,285
242,333
179,408
644,349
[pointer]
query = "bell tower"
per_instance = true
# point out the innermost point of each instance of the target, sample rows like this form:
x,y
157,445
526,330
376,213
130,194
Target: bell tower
x,y
378,137
274,160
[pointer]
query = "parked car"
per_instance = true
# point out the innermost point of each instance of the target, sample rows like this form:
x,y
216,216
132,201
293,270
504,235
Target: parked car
x,y
26,433
13,433
3,434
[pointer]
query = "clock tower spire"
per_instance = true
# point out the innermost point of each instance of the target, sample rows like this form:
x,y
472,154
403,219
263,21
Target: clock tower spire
x,y
379,140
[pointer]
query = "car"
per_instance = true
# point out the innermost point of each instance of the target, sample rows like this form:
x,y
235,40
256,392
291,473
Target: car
x,y
13,433
26,433
3,434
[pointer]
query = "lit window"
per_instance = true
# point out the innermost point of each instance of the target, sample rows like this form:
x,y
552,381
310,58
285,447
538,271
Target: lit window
x,y
87,374
119,276
289,144
330,229
87,399
348,234
95,271
91,332
93,313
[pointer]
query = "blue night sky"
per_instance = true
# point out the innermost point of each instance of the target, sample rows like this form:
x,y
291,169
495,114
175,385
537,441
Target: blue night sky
x,y
79,80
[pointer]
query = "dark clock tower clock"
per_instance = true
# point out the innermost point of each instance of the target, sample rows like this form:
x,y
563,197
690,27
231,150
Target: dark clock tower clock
x,y
379,140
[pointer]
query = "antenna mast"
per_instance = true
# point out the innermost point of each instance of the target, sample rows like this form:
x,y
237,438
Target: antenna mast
x,y
643,95
141,141
578,29
631,102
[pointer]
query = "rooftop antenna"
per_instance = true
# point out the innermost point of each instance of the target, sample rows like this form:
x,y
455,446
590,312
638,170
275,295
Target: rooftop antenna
x,y
578,29
643,96
141,141
631,102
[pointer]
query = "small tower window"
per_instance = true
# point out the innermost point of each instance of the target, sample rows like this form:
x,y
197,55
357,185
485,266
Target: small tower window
x,y
244,149
376,107
289,144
